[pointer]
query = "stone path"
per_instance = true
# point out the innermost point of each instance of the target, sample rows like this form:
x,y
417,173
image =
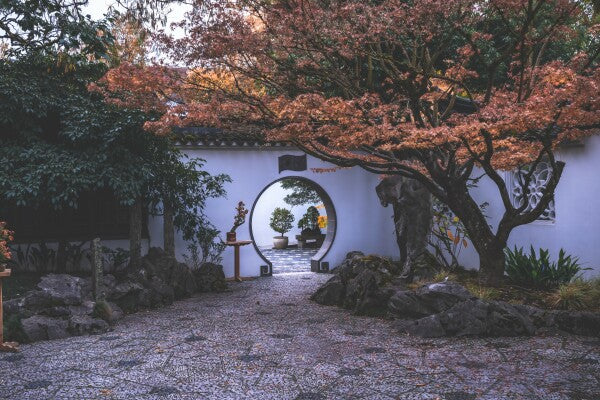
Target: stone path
x,y
265,340
289,260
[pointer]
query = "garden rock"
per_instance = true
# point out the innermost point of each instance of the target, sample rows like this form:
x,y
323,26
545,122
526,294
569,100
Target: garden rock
x,y
182,281
40,327
427,300
579,323
62,305
364,294
63,288
79,325
331,293
369,285
210,278
158,264
473,317
357,285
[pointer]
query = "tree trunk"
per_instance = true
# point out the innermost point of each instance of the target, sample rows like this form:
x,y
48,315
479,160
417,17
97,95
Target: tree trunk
x,y
168,229
61,256
488,245
491,265
135,234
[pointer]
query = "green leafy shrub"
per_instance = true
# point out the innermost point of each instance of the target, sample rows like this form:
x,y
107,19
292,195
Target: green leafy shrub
x,y
281,220
537,271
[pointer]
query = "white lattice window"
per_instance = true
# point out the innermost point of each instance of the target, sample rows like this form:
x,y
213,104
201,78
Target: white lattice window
x,y
539,180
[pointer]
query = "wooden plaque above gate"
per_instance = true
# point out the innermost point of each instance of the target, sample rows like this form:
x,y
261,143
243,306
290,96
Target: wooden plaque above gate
x,y
292,163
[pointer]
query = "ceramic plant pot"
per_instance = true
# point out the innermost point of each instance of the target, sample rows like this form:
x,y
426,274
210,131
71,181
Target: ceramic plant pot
x,y
280,242
231,237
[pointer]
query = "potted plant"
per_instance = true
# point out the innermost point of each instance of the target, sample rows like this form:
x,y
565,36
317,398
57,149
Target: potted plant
x,y
281,221
309,223
5,237
238,221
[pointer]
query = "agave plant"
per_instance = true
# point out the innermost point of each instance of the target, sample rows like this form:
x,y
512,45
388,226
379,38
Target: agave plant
x,y
538,271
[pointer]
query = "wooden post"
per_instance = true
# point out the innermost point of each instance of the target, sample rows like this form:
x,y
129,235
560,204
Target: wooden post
x,y
9,346
236,263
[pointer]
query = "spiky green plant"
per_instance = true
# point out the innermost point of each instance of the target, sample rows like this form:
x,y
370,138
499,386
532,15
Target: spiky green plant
x,y
536,270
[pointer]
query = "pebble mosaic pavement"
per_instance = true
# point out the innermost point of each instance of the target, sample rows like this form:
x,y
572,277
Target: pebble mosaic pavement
x,y
264,339
289,260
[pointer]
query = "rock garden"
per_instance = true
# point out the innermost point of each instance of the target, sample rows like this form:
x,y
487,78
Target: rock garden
x,y
441,306
63,305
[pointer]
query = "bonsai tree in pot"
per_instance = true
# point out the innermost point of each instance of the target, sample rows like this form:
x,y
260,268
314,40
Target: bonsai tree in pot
x,y
309,223
281,221
238,220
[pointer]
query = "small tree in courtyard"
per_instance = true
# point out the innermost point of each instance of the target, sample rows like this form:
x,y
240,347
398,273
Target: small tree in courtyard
x,y
281,220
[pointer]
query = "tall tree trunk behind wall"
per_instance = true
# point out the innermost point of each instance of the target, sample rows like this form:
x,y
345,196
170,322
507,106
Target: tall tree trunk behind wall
x,y
61,256
135,234
168,230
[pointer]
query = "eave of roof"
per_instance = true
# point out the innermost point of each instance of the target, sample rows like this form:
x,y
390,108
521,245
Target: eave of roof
x,y
205,137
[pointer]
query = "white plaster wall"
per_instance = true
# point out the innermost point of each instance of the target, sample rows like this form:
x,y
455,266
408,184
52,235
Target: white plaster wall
x,y
363,224
269,200
577,203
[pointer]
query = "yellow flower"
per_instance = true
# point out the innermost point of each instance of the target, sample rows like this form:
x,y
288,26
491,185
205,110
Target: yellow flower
x,y
455,219
322,221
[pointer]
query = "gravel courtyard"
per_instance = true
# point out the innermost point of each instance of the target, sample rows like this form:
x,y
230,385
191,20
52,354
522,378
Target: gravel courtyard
x,y
264,339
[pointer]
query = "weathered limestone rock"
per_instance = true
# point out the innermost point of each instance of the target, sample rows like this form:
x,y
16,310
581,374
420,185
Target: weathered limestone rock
x,y
210,278
413,216
427,300
79,325
331,293
63,304
182,281
63,288
357,285
365,285
39,327
473,317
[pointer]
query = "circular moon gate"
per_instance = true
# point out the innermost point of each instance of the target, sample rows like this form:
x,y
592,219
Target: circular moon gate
x,y
315,262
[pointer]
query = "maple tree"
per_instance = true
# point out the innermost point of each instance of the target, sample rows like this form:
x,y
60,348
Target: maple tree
x,y
440,92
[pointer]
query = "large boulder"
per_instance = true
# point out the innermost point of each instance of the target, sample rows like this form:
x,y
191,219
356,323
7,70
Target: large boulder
x,y
64,289
364,293
158,264
210,278
182,281
79,325
358,285
331,293
427,300
39,327
579,323
576,322
472,317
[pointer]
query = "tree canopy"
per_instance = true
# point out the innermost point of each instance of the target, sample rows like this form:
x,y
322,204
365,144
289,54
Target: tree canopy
x,y
430,90
51,25
302,192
